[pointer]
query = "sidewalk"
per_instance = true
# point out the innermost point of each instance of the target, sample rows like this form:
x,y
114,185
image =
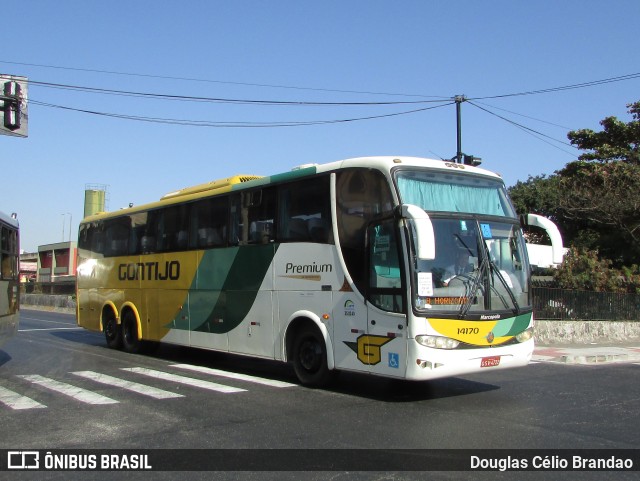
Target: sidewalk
x,y
587,354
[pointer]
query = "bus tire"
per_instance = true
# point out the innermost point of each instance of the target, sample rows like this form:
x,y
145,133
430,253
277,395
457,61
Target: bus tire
x,y
130,340
112,333
310,358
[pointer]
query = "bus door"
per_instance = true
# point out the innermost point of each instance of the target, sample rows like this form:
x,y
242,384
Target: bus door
x,y
384,348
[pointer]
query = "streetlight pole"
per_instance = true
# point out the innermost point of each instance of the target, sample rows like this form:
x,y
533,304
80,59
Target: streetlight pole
x,y
64,218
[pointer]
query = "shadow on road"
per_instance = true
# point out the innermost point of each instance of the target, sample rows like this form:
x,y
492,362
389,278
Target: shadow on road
x,y
347,383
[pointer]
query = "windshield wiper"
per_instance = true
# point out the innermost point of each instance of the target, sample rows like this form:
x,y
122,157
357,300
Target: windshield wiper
x,y
487,264
495,270
472,288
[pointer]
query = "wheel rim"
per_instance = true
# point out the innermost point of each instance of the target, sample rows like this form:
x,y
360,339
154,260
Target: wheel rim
x,y
128,332
110,329
310,355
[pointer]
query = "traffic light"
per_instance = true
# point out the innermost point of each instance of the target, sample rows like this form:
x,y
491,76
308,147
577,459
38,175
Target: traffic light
x,y
12,98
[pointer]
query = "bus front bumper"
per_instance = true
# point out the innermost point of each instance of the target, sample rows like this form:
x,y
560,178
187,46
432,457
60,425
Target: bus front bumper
x,y
424,363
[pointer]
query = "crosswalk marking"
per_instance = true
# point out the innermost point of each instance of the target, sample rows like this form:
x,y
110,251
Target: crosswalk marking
x,y
183,380
16,401
128,385
74,392
233,375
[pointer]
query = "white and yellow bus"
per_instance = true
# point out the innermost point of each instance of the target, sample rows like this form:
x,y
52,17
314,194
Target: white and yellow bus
x,y
402,267
9,277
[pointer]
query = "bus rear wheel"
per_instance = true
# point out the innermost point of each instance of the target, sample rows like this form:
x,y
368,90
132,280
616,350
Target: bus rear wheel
x,y
130,340
112,333
310,358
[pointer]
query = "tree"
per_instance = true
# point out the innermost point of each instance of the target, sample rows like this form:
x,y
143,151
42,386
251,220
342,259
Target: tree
x,y
584,269
617,141
605,198
538,195
601,191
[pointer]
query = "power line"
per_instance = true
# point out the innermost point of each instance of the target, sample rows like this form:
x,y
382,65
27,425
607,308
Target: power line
x,y
592,83
528,130
190,98
229,124
523,115
226,82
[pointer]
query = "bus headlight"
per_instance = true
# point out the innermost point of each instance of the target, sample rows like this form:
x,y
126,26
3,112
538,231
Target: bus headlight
x,y
525,335
437,342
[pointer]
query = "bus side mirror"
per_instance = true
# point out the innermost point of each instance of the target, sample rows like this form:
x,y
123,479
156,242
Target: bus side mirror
x,y
553,233
425,237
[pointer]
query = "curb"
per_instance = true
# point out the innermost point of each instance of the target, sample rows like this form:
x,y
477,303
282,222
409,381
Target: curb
x,y
587,355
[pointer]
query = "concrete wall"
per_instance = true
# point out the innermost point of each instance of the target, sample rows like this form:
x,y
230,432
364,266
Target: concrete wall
x,y
586,332
47,301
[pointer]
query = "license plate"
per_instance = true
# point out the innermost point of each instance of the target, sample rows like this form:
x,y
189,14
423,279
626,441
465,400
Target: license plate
x,y
492,361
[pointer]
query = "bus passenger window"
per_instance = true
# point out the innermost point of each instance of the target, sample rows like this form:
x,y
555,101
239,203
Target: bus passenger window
x,y
305,212
209,223
173,228
253,218
117,233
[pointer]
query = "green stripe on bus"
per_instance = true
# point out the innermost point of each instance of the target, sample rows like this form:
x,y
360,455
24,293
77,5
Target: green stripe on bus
x,y
512,325
225,286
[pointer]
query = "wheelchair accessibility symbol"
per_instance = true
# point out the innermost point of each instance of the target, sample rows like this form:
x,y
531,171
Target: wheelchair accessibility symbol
x,y
394,360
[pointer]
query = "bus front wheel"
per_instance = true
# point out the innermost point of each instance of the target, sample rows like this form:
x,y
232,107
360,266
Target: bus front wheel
x,y
310,358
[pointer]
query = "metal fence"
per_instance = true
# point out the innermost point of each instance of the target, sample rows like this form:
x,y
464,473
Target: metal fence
x,y
562,304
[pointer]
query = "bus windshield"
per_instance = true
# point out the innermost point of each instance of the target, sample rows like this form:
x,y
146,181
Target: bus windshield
x,y
479,267
480,263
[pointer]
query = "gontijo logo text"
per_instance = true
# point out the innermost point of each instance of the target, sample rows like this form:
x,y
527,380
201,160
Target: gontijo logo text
x,y
149,271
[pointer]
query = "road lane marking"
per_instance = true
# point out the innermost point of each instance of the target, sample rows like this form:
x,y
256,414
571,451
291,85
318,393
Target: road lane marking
x,y
51,329
183,380
74,392
16,401
233,375
47,321
128,385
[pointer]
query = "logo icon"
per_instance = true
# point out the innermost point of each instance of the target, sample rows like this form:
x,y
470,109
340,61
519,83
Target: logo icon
x,y
349,308
369,348
23,460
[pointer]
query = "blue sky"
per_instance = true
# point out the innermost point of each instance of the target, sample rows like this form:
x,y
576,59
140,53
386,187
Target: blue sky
x,y
296,51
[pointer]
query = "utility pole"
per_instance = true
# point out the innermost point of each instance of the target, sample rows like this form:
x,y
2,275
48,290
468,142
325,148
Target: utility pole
x,y
459,99
462,158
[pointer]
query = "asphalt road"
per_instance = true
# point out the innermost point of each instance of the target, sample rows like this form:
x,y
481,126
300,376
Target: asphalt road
x,y
62,388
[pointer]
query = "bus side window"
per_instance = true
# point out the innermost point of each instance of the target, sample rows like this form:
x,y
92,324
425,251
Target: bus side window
x,y
385,280
96,237
9,253
362,195
117,236
173,228
305,211
209,223
253,217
